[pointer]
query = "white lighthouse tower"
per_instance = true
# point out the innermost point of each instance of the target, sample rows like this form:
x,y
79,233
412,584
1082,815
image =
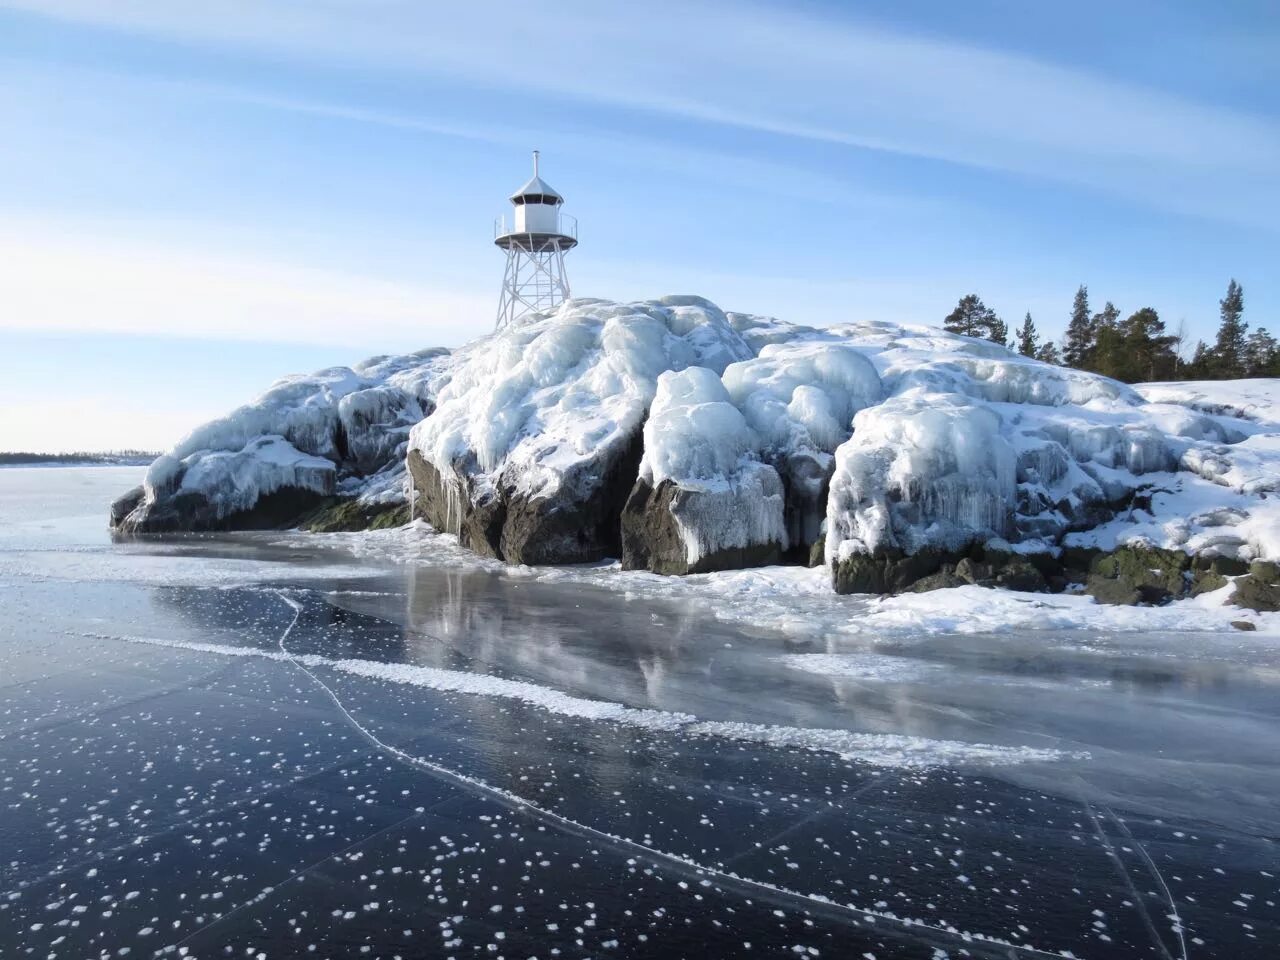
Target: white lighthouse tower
x,y
540,236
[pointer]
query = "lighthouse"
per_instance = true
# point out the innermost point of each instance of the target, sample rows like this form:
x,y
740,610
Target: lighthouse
x,y
540,235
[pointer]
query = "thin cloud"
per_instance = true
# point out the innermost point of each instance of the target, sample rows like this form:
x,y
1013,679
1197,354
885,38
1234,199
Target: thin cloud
x,y
781,72
66,278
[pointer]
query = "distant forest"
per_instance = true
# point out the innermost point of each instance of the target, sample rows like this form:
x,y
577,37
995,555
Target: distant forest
x,y
108,457
1135,349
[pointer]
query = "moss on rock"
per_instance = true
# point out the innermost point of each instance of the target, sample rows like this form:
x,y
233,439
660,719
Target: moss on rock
x,y
339,516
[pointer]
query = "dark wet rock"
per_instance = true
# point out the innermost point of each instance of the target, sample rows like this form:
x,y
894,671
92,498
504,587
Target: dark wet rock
x,y
449,505
1206,581
806,480
1021,574
891,571
191,512
125,505
895,572
652,540
1248,625
579,524
941,580
1222,566
1155,574
1267,571
968,570
1076,562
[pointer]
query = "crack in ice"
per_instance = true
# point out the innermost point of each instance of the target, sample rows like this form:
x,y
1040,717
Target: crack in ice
x,y
513,800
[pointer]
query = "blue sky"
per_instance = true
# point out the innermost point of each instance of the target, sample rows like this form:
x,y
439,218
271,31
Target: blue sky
x,y
196,198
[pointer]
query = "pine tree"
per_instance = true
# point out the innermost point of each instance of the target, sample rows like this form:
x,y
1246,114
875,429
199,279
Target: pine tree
x,y
997,329
1028,339
973,318
1109,355
1048,353
1079,343
1261,355
1108,317
1229,350
1201,366
1148,352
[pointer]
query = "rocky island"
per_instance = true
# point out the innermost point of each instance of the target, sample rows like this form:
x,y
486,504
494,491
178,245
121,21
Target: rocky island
x,y
685,439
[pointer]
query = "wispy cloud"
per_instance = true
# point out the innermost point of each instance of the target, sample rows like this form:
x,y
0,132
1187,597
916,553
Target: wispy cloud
x,y
779,71
78,421
65,277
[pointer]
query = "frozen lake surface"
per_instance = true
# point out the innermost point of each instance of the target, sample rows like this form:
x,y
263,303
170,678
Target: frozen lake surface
x,y
279,745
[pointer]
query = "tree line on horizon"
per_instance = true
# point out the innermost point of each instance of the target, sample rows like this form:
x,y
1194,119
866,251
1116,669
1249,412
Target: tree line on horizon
x,y
1136,349
19,457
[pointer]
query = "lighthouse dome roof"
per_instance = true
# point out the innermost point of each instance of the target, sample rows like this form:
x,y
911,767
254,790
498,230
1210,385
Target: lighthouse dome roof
x,y
537,187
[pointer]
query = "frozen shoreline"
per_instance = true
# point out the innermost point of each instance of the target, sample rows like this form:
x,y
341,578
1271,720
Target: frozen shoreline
x,y
798,600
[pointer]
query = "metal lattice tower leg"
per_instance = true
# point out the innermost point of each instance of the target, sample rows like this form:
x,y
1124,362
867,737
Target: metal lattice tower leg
x,y
534,281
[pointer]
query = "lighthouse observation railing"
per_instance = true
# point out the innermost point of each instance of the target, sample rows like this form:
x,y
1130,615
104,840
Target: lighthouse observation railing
x,y
566,225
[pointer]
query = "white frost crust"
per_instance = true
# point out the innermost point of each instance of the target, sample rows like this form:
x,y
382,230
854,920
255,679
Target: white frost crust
x,y
235,481
698,439
802,396
1252,400
1082,444
925,469
290,435
537,403
694,434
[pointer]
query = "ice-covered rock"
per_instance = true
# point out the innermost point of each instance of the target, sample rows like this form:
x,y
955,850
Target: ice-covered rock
x,y
977,447
800,398
536,442
683,439
340,431
703,500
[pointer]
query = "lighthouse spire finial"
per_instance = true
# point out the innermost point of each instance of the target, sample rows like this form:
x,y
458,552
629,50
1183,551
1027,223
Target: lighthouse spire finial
x,y
535,163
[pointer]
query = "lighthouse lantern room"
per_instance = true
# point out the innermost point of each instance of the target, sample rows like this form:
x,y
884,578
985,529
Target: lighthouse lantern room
x,y
540,235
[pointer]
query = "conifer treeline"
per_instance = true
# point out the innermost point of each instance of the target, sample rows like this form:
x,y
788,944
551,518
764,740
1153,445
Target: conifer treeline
x,y
1135,349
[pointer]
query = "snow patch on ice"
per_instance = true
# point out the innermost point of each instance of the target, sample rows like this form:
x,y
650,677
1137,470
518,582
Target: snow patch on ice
x,y
889,750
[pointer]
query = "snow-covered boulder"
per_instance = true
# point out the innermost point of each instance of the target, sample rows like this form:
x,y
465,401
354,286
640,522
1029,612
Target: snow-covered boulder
x,y
536,442
980,455
921,470
800,398
340,431
703,500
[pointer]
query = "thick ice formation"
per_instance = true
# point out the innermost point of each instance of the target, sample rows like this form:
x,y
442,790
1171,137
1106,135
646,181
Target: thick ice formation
x,y
341,430
534,443
684,439
702,491
975,443
800,398
922,469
